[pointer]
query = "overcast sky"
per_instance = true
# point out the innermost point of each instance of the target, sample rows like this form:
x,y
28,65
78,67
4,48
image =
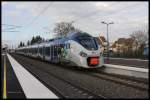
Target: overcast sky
x,y
87,16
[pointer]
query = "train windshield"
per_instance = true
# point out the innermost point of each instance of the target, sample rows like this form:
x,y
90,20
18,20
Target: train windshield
x,y
88,42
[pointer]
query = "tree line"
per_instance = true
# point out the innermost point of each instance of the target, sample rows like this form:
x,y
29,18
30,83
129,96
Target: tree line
x,y
61,28
36,39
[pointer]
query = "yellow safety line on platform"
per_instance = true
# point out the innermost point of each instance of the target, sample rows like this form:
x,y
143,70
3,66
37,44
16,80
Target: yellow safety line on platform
x,y
4,88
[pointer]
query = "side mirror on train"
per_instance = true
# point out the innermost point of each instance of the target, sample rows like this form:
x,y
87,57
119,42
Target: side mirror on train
x,y
101,54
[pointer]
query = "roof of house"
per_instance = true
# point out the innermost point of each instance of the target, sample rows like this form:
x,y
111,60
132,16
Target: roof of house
x,y
129,41
113,45
121,40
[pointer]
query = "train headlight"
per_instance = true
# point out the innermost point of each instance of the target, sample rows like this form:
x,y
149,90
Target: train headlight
x,y
83,54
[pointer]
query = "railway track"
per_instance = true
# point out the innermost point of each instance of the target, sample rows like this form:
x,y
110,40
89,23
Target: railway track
x,y
131,78
81,92
137,83
120,79
141,85
123,81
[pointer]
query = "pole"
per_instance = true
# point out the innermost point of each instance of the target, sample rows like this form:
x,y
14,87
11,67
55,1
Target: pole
x,y
107,45
107,39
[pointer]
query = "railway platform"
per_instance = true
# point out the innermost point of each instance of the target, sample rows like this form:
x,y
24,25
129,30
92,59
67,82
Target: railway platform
x,y
24,77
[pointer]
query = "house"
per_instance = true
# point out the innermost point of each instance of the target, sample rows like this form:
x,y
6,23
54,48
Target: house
x,y
119,45
122,45
129,44
113,47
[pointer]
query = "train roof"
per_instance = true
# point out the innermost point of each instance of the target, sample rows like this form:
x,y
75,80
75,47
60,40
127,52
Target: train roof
x,y
78,34
59,40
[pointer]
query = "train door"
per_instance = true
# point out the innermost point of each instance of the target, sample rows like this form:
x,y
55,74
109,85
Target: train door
x,y
62,52
38,52
67,50
57,52
43,52
50,53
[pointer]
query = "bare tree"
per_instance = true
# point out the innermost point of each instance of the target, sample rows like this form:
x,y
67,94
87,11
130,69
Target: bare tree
x,y
63,28
140,38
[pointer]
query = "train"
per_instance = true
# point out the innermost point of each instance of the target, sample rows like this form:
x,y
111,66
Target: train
x,y
76,49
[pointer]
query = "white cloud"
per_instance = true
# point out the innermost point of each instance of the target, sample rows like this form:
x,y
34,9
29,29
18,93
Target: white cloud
x,y
127,16
101,4
4,3
14,13
30,7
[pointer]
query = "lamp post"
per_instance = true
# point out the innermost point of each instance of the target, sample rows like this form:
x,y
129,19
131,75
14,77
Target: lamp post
x,y
103,22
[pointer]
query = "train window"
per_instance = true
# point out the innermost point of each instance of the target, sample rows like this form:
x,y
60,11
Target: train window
x,y
35,50
59,50
67,46
40,50
32,50
88,42
55,51
29,50
51,50
47,51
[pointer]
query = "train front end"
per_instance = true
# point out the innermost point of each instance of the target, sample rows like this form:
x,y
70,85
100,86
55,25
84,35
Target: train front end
x,y
90,59
86,52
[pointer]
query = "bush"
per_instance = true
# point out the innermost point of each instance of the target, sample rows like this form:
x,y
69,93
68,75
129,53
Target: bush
x,y
138,55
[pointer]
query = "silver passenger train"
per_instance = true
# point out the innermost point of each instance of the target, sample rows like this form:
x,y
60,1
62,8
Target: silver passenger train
x,y
77,49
